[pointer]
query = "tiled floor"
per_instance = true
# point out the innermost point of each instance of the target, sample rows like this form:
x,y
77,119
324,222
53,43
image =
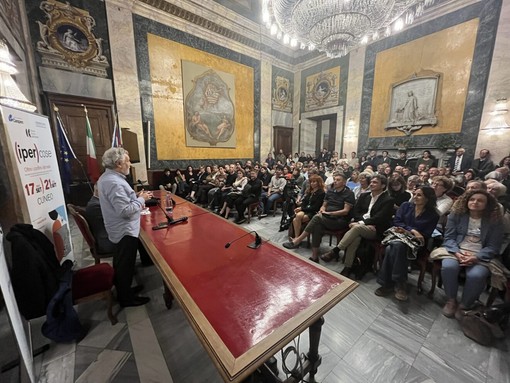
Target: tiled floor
x,y
364,339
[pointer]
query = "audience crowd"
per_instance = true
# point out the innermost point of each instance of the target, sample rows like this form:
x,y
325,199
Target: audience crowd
x,y
410,206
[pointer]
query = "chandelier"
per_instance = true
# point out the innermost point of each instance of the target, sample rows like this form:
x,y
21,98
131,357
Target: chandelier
x,y
338,26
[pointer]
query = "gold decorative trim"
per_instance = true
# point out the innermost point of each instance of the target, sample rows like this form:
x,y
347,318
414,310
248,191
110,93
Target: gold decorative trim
x,y
282,99
200,21
322,89
67,40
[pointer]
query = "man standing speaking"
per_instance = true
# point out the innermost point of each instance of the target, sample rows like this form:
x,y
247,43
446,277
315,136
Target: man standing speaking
x,y
121,209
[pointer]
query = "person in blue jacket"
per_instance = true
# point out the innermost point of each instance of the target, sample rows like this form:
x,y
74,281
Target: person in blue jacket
x,y
473,237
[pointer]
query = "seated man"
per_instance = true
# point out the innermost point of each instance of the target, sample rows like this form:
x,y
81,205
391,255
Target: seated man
x,y
372,215
333,215
274,190
167,182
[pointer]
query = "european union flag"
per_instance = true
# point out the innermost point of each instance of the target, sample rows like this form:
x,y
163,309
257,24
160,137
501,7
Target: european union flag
x,y
66,155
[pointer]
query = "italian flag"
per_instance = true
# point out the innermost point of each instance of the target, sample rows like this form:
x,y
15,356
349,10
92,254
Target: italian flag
x,y
92,167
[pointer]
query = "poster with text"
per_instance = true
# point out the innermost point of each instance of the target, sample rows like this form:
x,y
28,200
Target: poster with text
x,y
33,152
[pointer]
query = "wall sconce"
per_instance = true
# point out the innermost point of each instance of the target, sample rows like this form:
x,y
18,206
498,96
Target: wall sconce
x,y
10,94
497,123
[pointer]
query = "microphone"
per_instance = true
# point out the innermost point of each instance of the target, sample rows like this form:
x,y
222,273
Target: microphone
x,y
253,245
169,220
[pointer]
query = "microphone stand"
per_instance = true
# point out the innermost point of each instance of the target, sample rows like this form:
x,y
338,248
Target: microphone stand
x,y
254,245
169,220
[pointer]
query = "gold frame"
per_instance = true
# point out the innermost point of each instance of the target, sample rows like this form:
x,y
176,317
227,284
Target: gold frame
x,y
54,51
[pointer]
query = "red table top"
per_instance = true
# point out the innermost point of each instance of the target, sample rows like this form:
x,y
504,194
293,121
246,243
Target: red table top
x,y
240,295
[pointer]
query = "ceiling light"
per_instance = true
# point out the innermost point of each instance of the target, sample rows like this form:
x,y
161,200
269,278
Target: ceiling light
x,y
338,26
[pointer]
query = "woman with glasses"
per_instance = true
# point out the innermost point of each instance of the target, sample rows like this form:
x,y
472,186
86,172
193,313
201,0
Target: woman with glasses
x,y
441,186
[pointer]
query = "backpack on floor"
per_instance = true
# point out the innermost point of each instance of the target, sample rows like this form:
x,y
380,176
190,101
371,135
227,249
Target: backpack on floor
x,y
364,261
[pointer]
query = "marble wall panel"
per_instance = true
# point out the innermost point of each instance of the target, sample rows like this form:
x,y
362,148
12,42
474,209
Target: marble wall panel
x,y
353,100
296,113
127,89
266,124
498,87
75,84
306,138
488,14
309,126
143,26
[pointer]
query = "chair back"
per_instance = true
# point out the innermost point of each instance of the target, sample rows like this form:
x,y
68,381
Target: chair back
x,y
83,225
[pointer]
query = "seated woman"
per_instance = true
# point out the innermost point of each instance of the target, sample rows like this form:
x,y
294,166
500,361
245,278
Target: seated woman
x,y
397,190
426,159
364,184
218,182
444,203
191,179
416,221
309,205
473,233
200,179
207,184
181,183
237,190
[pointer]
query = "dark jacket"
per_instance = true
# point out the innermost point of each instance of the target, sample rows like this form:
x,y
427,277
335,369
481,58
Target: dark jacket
x,y
482,168
491,235
425,223
380,215
312,203
34,272
465,164
253,189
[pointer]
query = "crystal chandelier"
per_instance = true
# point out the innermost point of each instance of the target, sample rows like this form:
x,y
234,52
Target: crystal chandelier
x,y
338,26
10,94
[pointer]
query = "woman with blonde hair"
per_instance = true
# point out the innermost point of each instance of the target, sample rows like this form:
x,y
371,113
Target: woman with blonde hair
x,y
473,235
309,205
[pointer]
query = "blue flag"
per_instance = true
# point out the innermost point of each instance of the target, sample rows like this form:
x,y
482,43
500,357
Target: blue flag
x,y
66,155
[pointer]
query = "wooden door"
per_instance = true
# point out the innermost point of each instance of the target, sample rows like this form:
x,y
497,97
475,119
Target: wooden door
x,y
282,139
101,119
73,117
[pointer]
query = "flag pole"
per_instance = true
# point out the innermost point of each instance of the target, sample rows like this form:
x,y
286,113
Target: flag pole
x,y
92,165
55,108
148,144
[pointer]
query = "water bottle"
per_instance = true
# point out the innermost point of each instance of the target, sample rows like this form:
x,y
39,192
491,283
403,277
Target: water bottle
x,y
169,206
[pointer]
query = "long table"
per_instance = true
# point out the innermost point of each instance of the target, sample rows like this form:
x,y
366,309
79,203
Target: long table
x,y
244,304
